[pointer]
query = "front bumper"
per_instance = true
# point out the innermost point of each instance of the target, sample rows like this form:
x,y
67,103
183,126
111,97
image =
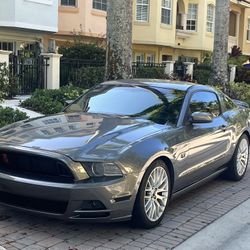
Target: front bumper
x,y
65,201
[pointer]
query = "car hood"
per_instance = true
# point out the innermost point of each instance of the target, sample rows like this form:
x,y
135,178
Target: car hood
x,y
79,135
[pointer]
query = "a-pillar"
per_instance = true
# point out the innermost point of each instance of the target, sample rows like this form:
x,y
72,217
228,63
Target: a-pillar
x,y
53,70
189,69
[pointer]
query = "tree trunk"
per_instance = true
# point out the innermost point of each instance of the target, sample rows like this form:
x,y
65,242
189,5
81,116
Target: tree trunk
x,y
220,52
119,40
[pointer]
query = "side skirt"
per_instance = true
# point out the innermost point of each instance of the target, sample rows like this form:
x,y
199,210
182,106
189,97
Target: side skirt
x,y
197,184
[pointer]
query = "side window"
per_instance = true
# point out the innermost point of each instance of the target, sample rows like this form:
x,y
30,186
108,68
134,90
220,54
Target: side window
x,y
205,102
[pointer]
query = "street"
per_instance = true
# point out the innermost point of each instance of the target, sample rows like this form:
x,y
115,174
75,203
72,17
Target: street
x,y
186,216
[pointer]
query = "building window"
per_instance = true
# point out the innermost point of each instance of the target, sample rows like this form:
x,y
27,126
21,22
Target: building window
x,y
166,58
142,10
100,4
150,58
6,46
210,18
192,17
232,24
139,58
166,6
248,29
68,3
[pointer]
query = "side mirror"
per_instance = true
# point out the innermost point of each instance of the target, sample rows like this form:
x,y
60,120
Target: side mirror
x,y
201,117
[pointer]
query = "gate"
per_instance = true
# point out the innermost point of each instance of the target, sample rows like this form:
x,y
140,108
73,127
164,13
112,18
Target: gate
x,y
30,73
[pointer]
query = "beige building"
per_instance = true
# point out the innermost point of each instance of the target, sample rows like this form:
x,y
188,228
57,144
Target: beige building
x,y
163,30
84,20
25,22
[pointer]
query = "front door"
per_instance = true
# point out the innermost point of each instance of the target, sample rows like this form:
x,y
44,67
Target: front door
x,y
207,143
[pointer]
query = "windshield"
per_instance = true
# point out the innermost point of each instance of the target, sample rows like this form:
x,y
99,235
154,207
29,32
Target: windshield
x,y
157,104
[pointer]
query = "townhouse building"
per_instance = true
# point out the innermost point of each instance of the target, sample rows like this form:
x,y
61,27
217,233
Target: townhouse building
x,y
84,20
166,30
24,23
163,30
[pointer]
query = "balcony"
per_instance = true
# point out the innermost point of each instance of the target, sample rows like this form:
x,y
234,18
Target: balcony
x,y
181,33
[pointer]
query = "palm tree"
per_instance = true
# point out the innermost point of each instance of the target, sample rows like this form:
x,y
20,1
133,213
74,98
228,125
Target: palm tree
x,y
220,52
119,39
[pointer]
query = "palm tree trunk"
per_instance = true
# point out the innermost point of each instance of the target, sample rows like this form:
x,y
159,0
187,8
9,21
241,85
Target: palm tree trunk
x,y
220,52
119,39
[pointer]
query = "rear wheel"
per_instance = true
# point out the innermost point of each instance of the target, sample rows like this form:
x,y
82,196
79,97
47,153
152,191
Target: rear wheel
x,y
153,196
239,162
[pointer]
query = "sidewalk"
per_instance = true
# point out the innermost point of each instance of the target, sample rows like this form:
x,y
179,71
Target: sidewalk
x,y
230,232
14,103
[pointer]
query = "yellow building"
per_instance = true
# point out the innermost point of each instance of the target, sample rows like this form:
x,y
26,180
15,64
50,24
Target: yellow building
x,y
166,30
163,30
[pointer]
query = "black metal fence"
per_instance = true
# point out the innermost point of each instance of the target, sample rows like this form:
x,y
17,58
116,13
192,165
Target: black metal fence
x,y
86,73
73,71
30,73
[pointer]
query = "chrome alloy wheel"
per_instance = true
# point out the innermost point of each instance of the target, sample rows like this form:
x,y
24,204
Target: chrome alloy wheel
x,y
156,193
242,157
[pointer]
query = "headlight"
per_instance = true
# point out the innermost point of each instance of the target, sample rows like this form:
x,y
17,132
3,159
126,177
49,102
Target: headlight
x,y
103,169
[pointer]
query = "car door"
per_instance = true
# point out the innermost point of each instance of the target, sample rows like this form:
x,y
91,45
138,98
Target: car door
x,y
208,142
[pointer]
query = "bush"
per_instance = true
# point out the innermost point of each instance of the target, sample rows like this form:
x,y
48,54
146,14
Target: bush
x,y
150,72
48,101
242,75
4,73
202,73
9,115
8,83
239,91
89,76
83,51
238,60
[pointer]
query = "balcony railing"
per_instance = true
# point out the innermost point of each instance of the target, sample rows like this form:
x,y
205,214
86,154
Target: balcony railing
x,y
179,27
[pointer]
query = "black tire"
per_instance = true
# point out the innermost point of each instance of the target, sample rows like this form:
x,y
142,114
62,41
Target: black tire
x,y
140,218
233,172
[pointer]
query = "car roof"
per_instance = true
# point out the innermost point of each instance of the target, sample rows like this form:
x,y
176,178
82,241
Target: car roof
x,y
167,84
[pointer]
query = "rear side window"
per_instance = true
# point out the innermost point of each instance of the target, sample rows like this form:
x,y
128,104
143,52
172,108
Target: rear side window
x,y
204,101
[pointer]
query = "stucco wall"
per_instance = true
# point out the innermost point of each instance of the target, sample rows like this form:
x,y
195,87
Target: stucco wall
x,y
41,15
82,20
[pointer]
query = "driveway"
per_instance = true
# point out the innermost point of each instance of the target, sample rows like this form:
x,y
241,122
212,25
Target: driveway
x,y
186,216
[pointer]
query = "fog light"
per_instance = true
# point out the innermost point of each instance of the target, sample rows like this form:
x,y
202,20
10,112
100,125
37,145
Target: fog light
x,y
92,205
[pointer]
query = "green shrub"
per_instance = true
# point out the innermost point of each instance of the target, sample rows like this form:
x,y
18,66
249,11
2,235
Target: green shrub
x,y
48,101
237,60
242,75
202,73
8,83
150,72
83,51
89,76
9,115
239,91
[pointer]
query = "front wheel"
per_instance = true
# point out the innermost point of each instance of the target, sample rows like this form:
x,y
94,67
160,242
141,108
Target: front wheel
x,y
153,196
239,162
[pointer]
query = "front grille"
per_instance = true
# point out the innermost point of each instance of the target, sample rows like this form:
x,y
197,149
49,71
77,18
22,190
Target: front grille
x,y
34,167
42,205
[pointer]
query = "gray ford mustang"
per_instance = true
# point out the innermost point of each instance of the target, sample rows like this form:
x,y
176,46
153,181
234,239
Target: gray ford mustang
x,y
123,150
